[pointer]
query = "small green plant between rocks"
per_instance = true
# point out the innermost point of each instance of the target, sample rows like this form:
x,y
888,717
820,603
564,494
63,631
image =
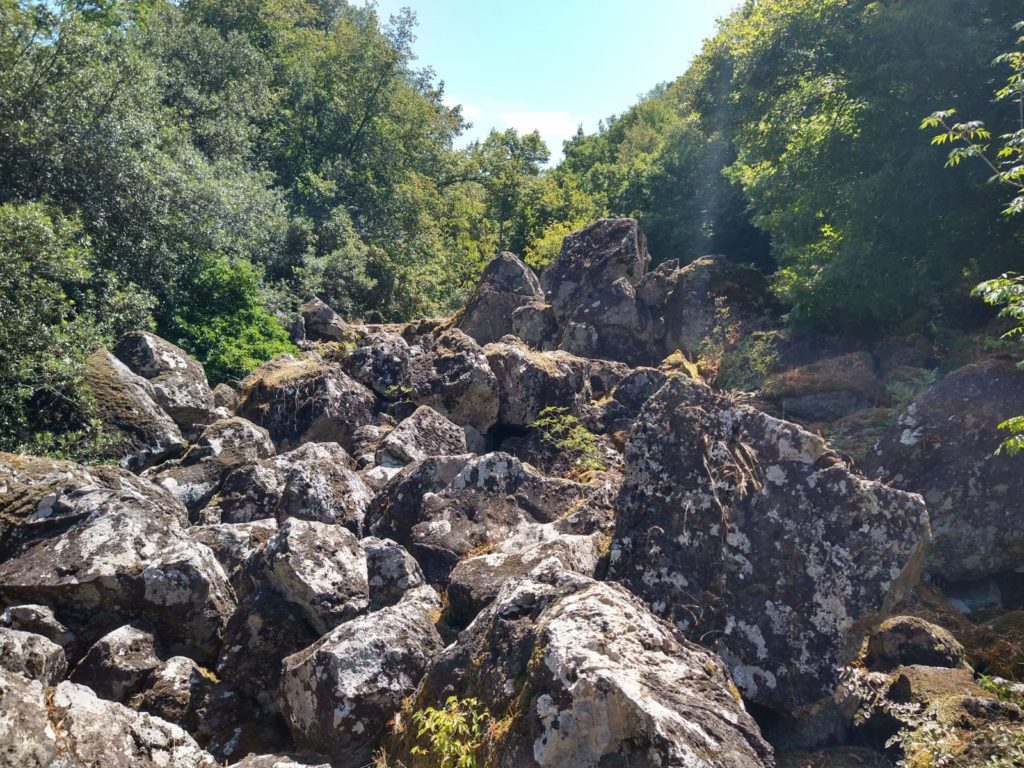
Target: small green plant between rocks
x,y
565,432
455,732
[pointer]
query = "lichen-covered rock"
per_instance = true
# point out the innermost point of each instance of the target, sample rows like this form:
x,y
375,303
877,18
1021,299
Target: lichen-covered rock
x,y
222,446
592,258
943,447
126,403
713,297
535,324
445,508
178,692
338,695
320,322
904,640
316,566
425,433
37,620
68,727
505,285
390,571
32,655
119,664
748,530
455,380
313,482
611,325
529,381
305,399
580,673
98,554
178,380
233,543
225,396
380,362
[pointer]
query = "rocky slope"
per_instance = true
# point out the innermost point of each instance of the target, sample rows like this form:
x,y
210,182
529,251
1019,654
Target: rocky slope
x,y
287,572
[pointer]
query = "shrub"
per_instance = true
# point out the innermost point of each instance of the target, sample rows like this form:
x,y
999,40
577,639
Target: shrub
x,y
455,732
565,432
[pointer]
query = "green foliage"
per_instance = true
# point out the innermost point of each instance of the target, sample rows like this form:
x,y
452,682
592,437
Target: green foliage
x,y
565,432
751,362
455,732
224,323
903,393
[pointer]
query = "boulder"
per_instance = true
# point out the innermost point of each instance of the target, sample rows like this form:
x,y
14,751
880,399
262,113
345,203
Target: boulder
x,y
390,571
529,381
826,390
591,259
119,664
579,672
126,403
611,325
320,322
312,482
944,447
455,380
380,362
233,543
318,567
101,549
33,656
713,298
69,726
225,396
338,695
425,433
535,324
37,620
280,761
305,399
505,285
178,380
446,508
222,446
905,640
178,692
748,532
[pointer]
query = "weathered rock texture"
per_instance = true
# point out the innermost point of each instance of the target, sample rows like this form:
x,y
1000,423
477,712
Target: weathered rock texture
x,y
747,532
505,285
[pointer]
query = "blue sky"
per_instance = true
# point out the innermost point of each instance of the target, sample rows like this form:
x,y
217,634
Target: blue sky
x,y
551,65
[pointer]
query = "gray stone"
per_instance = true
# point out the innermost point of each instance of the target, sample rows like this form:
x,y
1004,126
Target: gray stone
x,y
505,285
119,664
425,433
320,322
455,380
33,656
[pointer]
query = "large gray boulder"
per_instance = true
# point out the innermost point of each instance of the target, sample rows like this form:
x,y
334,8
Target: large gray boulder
x,y
119,664
178,380
424,433
305,399
505,285
321,323
98,547
313,482
591,259
454,379
580,673
68,726
126,404
529,381
338,695
37,620
32,655
748,532
380,362
944,447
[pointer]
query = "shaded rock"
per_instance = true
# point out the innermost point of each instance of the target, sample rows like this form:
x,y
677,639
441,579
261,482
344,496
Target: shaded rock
x,y
529,381
100,555
320,322
654,287
305,399
178,380
380,362
746,529
579,672
612,325
126,403
69,726
904,640
390,571
38,620
591,259
943,447
178,692
225,396
338,695
505,285
233,543
320,568
455,380
32,655
313,482
826,390
223,445
534,323
425,433
119,664
713,297
446,508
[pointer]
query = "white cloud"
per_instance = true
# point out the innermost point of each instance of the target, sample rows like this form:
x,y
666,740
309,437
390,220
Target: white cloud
x,y
554,127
